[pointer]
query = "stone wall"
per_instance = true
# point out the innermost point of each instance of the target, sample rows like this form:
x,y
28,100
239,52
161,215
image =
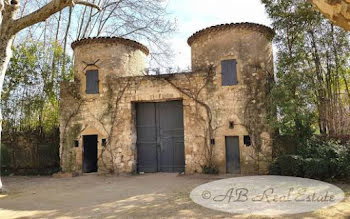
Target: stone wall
x,y
111,56
29,152
246,103
338,11
208,107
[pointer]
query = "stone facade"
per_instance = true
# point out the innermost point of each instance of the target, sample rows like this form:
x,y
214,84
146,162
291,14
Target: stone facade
x,y
338,11
208,107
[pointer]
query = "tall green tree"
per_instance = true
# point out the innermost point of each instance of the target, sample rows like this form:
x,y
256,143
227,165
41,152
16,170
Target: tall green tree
x,y
31,87
312,89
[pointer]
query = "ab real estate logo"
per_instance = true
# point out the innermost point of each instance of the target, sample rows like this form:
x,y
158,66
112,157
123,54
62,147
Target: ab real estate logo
x,y
267,195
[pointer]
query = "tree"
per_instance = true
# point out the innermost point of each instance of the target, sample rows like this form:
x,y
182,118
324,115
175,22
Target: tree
x,y
312,90
31,89
10,26
145,21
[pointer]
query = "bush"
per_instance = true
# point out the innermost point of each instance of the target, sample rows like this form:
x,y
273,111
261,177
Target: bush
x,y
275,168
316,159
342,167
316,168
210,170
291,165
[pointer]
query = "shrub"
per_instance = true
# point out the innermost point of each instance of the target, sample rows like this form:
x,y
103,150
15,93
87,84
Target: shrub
x,y
291,165
317,159
342,167
316,168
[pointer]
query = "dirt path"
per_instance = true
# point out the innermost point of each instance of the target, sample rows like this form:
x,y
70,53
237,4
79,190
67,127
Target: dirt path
x,y
147,196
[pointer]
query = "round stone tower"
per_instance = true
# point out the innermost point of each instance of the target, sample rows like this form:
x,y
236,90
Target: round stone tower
x,y
240,56
110,55
244,42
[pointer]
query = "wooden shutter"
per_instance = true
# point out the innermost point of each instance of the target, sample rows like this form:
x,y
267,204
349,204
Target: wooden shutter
x,y
92,82
229,72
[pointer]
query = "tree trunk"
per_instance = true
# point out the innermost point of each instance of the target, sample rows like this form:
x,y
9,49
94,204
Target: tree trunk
x,y
5,55
65,44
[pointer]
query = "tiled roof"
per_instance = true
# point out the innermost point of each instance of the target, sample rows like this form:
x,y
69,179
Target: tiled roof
x,y
124,41
267,31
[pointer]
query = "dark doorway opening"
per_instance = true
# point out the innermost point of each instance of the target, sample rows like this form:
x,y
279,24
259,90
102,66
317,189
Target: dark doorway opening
x,y
233,161
89,153
160,137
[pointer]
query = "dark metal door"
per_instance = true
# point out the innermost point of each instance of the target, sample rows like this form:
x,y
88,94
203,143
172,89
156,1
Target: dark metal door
x,y
146,137
232,155
160,135
90,153
172,153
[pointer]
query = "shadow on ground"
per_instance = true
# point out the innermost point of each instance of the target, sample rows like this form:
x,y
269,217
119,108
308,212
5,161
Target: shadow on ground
x,y
146,196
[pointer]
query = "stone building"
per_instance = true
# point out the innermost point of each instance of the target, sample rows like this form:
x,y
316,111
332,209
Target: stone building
x,y
115,118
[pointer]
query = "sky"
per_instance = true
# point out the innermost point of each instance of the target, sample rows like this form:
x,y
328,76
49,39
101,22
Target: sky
x,y
194,15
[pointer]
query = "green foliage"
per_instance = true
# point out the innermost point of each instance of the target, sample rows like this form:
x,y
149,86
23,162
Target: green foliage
x,y
30,105
316,168
287,165
31,87
312,70
292,93
318,159
332,153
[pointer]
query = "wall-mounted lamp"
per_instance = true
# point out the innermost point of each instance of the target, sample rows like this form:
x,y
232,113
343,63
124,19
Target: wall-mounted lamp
x,y
76,143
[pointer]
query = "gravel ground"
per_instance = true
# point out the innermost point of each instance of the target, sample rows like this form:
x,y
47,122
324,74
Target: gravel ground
x,y
148,196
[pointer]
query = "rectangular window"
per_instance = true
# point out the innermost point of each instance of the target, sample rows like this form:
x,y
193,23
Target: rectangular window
x,y
92,82
229,72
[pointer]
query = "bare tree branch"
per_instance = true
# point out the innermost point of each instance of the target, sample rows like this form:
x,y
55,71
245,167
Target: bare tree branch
x,y
45,12
87,4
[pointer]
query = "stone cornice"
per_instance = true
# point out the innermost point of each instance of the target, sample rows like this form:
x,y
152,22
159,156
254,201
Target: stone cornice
x,y
267,31
111,40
